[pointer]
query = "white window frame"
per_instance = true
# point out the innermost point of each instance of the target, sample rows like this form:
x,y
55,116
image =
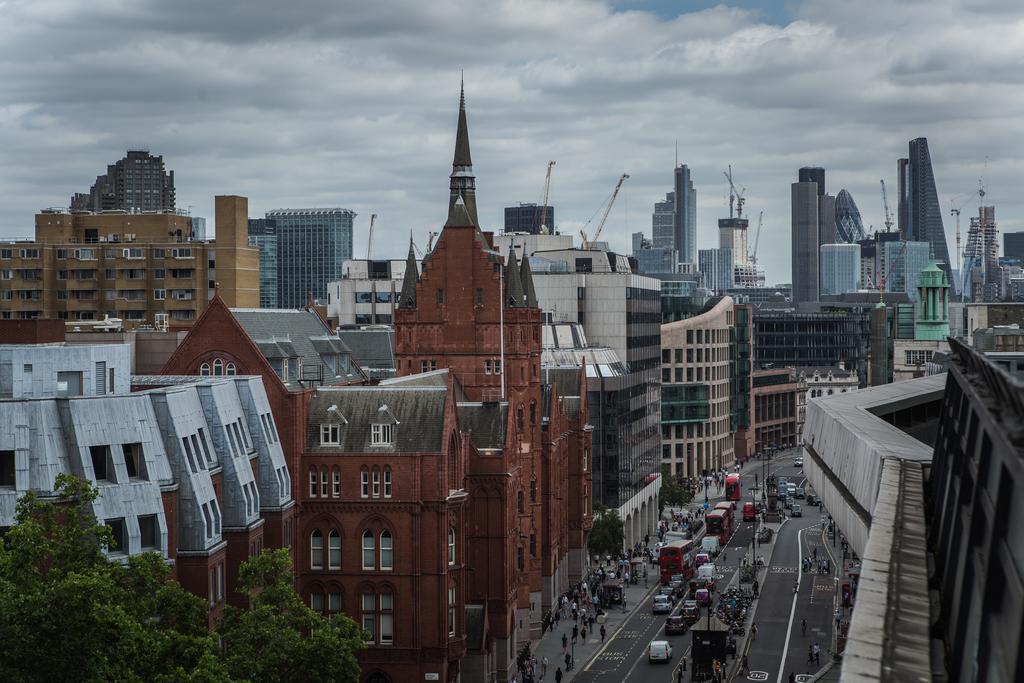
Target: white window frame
x,y
330,434
387,563
336,483
376,482
451,546
333,539
382,434
369,551
313,549
387,617
323,482
312,483
452,595
387,482
364,483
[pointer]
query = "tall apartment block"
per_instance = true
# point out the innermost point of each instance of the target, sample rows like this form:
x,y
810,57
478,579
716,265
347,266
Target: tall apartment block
x,y
138,182
263,235
311,246
528,218
804,236
144,268
920,216
685,219
719,268
839,266
663,221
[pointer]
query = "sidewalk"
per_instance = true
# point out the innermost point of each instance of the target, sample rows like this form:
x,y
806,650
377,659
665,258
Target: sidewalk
x,y
550,645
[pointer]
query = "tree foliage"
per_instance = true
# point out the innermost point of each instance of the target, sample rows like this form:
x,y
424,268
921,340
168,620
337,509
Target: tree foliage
x,y
672,492
608,533
68,613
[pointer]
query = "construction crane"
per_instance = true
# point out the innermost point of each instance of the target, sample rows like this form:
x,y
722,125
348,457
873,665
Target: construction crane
x,y
369,240
885,207
587,242
734,195
757,238
544,203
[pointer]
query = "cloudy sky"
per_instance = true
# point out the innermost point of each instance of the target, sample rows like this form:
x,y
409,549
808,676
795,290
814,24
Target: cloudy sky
x,y
353,104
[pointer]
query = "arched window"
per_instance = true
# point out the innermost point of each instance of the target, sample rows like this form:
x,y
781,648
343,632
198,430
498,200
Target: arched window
x,y
519,502
334,550
533,412
316,550
387,554
323,482
229,370
312,482
334,599
336,490
451,545
218,367
376,482
364,483
387,482
368,549
369,613
204,369
316,600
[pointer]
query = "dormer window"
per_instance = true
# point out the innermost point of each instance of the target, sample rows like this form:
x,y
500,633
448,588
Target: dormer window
x,y
330,434
382,434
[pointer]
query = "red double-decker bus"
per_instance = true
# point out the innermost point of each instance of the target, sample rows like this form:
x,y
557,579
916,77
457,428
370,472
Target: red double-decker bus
x,y
719,523
733,487
676,558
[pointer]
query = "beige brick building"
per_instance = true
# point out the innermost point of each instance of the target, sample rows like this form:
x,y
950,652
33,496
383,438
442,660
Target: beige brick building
x,y
144,268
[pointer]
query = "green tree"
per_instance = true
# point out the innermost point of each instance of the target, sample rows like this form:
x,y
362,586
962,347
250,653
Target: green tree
x,y
67,613
672,492
608,533
279,638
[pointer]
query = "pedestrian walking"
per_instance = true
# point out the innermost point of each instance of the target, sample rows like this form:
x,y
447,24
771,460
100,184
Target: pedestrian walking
x,y
753,631
575,632
558,675
817,654
603,632
543,667
803,627
810,654
583,634
565,642
568,662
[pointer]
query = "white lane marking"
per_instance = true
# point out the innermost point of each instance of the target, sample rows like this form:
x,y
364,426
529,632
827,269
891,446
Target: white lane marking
x,y
792,609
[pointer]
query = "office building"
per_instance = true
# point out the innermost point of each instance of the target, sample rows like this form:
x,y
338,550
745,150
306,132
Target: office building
x,y
827,380
718,267
530,218
849,226
796,339
189,468
732,234
263,235
663,222
776,400
839,268
685,219
311,246
919,211
138,182
142,269
813,174
903,262
369,291
1013,245
652,260
804,240
697,432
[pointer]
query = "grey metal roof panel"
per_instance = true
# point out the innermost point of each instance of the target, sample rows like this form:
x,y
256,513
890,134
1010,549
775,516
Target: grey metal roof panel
x,y
417,413
485,423
374,349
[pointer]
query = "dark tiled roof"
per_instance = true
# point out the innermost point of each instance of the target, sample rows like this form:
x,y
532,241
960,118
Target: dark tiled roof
x,y
485,423
372,349
418,410
299,333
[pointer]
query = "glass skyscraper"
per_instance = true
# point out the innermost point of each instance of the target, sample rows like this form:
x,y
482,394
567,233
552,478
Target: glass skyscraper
x,y
263,234
718,267
919,211
839,266
904,261
685,219
311,246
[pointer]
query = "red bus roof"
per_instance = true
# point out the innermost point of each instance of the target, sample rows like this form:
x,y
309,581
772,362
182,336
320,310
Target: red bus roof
x,y
717,512
729,478
729,505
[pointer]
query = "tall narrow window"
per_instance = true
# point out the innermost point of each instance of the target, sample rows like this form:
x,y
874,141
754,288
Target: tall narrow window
x,y
218,367
312,482
387,482
364,483
369,611
387,554
451,545
451,611
323,482
387,618
336,490
316,601
230,370
368,549
316,550
334,549
204,370
376,483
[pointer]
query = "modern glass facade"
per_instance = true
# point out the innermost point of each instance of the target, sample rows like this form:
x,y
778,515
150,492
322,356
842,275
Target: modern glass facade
x,y
527,218
848,221
311,246
904,262
655,260
718,267
839,268
662,220
920,202
685,219
263,234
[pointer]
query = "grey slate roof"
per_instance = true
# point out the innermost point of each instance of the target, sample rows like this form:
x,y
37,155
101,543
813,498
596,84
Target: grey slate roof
x,y
374,350
484,422
298,333
418,410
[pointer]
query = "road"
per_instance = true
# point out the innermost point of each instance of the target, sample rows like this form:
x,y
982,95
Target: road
x,y
624,657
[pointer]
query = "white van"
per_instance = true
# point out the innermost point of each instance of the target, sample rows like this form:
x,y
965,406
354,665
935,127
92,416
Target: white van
x,y
706,572
710,545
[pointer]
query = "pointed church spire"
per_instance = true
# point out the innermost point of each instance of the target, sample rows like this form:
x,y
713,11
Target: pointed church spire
x,y
463,182
526,277
513,285
458,216
409,281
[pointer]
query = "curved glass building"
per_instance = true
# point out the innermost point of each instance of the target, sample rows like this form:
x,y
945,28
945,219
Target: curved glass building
x,y
848,222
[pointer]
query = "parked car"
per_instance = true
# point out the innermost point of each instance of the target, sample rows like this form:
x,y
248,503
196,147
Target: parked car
x,y
668,592
812,500
799,493
675,626
797,511
661,605
791,492
799,461
659,651
691,611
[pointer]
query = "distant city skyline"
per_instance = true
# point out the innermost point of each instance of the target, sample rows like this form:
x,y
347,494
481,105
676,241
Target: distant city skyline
x,y
239,119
